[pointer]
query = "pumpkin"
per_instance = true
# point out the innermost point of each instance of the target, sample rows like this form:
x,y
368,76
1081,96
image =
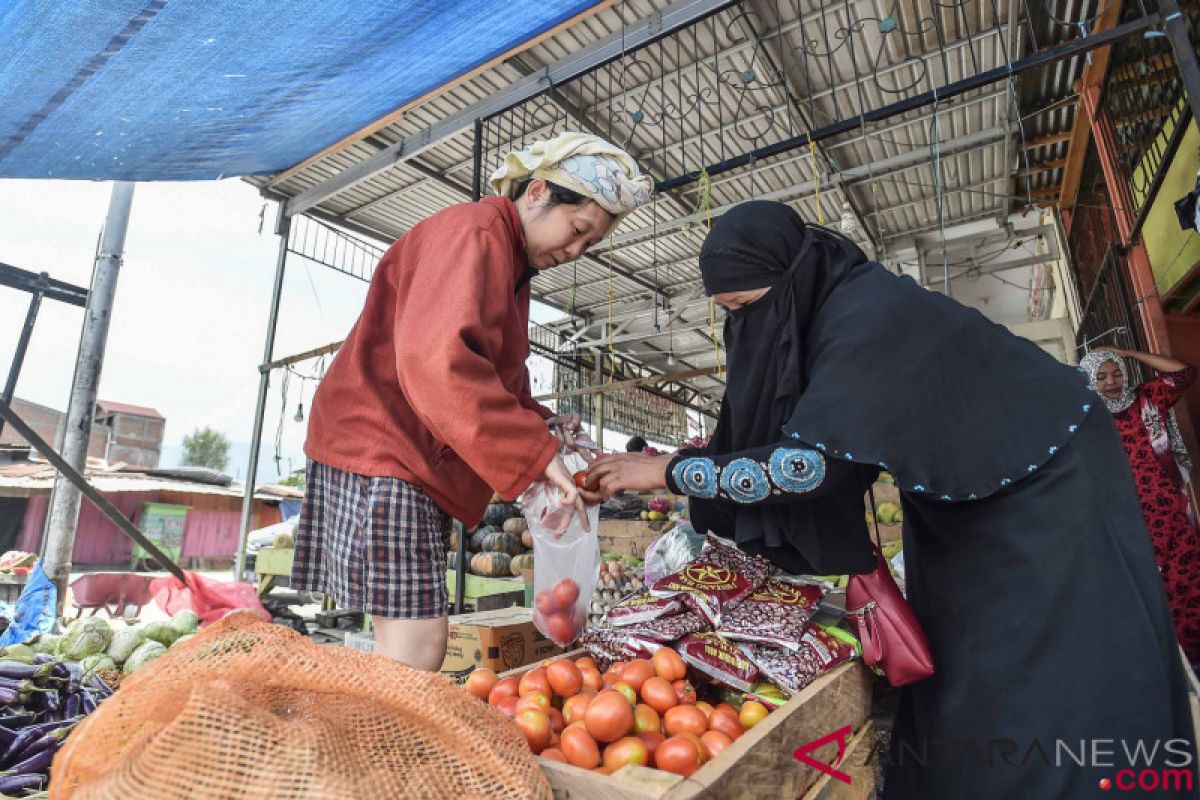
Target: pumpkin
x,y
491,565
501,542
452,559
521,562
527,539
496,513
475,543
515,525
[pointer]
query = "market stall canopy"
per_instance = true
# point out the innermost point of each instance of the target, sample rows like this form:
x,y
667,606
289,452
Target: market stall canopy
x,y
144,90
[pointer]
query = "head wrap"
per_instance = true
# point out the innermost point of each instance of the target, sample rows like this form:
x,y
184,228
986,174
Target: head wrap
x,y
1164,433
586,164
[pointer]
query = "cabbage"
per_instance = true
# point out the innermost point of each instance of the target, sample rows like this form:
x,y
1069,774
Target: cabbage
x,y
185,622
85,637
95,662
146,652
124,643
161,632
183,639
47,643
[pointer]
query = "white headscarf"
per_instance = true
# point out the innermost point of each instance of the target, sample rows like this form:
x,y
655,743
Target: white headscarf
x,y
586,164
1164,433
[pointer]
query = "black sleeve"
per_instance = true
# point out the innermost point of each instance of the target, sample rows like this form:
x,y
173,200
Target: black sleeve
x,y
784,472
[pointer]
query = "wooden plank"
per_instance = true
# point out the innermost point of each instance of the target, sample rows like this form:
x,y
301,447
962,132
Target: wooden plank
x,y
858,764
1045,166
1042,141
630,783
396,115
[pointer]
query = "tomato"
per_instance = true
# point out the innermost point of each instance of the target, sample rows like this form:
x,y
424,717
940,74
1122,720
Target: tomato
x,y
685,719
545,603
592,682
685,693
587,661
564,677
565,593
481,682
627,750
538,701
667,664
696,740
573,707
636,672
557,721
726,722
580,748
603,770
706,708
508,706
617,667
609,716
753,712
503,688
534,681
726,707
652,740
536,727
554,754
715,741
611,679
679,755
580,478
626,691
658,694
561,628
645,719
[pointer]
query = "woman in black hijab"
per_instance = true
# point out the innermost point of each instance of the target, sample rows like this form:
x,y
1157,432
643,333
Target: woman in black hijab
x,y
1026,557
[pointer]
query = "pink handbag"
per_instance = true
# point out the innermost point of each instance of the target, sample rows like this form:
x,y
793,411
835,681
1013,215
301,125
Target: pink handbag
x,y
893,642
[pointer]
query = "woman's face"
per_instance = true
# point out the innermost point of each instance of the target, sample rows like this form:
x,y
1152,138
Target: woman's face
x,y
1109,380
732,301
556,234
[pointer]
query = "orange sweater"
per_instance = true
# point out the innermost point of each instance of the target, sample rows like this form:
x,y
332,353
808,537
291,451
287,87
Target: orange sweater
x,y
430,385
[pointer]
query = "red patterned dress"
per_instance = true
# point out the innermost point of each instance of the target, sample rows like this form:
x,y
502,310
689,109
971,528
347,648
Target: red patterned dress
x,y
1165,504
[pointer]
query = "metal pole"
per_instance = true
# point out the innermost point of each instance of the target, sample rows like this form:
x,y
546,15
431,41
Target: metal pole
x,y
10,386
1185,57
64,508
282,227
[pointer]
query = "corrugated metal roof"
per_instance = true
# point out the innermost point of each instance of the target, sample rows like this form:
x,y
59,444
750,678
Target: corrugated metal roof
x,y
39,476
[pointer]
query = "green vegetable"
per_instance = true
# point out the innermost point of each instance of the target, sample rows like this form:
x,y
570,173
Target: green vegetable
x,y
161,632
184,638
147,652
85,637
47,643
124,643
95,662
17,652
185,622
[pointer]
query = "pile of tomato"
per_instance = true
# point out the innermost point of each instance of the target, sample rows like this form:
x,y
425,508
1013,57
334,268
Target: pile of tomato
x,y
641,712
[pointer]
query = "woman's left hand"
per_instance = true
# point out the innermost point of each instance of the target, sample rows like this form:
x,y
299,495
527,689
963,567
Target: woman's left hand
x,y
632,471
565,427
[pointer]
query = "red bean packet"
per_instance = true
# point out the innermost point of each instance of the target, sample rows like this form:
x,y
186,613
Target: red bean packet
x,y
641,607
821,649
668,629
720,577
608,646
775,614
720,659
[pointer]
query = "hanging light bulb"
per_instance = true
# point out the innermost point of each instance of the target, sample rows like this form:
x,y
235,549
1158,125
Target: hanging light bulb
x,y
299,412
848,224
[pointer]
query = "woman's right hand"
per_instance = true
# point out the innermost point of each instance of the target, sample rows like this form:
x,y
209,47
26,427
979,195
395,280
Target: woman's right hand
x,y
560,478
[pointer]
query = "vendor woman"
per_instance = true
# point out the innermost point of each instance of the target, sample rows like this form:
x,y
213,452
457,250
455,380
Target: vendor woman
x,y
426,410
1026,557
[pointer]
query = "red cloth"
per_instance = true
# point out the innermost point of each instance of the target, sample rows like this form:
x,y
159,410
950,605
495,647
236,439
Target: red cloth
x,y
1165,505
430,386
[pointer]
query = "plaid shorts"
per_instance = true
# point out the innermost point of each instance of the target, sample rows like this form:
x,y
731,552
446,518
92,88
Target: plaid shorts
x,y
376,545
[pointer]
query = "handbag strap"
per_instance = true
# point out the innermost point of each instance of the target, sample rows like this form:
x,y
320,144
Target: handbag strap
x,y
875,518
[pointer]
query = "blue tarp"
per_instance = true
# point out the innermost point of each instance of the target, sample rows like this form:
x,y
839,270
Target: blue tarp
x,y
198,89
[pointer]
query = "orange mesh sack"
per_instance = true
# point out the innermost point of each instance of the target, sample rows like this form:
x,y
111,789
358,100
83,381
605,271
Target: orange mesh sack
x,y
251,709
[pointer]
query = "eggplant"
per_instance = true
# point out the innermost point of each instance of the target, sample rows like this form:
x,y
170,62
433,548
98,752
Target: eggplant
x,y
88,704
16,783
71,707
13,669
39,758
16,719
30,734
43,658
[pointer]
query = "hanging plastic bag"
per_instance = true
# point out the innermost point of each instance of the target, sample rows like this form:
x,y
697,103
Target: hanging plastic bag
x,y
670,552
34,612
209,598
566,558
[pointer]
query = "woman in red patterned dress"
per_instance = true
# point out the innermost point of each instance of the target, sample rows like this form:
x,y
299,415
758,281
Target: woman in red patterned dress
x,y
1160,465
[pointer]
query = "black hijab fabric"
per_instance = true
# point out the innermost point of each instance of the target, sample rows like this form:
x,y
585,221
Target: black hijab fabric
x,y
872,369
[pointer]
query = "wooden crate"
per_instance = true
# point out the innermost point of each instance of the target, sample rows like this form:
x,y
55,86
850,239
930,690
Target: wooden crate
x,y
758,765
628,537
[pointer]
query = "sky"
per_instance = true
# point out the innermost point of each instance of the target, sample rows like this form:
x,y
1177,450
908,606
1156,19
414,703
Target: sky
x,y
190,314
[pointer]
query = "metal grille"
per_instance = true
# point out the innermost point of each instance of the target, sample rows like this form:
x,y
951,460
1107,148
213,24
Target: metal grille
x,y
330,247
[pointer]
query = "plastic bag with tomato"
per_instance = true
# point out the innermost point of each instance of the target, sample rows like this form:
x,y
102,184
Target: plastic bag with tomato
x,y
566,559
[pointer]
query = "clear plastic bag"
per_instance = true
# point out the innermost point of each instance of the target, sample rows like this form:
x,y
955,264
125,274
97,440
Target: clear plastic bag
x,y
566,559
668,553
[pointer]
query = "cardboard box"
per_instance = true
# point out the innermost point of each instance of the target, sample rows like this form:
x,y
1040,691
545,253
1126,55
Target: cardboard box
x,y
502,639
